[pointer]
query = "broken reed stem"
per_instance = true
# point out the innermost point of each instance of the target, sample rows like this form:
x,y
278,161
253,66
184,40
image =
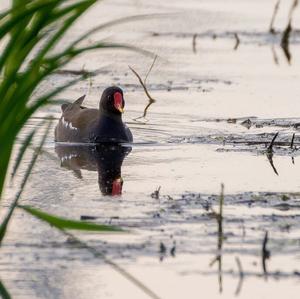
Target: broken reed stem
x,y
292,142
270,153
221,202
285,42
194,43
286,33
294,5
265,253
143,83
240,268
270,147
220,237
271,28
237,41
150,69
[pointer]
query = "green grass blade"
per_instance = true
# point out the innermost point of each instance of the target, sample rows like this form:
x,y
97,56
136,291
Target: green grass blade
x,y
18,15
23,148
6,220
3,291
63,223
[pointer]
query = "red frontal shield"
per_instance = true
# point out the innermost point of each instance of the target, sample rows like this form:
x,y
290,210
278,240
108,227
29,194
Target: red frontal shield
x,y
118,101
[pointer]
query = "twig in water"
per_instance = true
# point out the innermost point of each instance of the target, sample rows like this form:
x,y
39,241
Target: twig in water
x,y
237,41
162,251
286,33
220,237
150,69
218,258
143,83
265,253
194,43
285,42
271,28
292,142
270,159
270,153
241,274
270,147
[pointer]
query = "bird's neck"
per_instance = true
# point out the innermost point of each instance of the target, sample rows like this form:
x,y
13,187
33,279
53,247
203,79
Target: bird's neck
x,y
115,117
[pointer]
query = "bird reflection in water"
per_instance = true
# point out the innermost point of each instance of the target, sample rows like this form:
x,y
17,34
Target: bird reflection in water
x,y
106,159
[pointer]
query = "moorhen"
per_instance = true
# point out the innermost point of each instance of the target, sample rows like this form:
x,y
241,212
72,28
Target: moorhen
x,y
81,124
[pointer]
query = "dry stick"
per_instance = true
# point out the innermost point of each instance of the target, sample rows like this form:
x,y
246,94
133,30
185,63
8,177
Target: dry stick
x,y
194,43
271,29
237,41
241,274
270,153
270,147
220,237
150,69
292,142
285,42
151,100
286,34
292,147
218,258
265,253
270,159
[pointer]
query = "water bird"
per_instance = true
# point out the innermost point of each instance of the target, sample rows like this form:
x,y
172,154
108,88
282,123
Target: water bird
x,y
86,125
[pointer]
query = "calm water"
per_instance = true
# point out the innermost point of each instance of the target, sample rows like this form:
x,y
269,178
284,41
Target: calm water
x,y
192,141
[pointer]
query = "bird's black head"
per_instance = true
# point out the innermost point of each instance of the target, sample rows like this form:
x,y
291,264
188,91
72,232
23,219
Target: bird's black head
x,y
112,101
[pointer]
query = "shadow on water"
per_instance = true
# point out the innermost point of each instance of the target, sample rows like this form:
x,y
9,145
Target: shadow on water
x,y
107,160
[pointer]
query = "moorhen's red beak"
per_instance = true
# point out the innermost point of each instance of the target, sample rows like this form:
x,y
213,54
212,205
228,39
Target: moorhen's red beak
x,y
117,186
118,101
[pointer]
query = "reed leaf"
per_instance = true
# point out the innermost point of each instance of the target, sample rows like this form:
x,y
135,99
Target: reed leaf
x,y
63,223
35,155
3,291
22,150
